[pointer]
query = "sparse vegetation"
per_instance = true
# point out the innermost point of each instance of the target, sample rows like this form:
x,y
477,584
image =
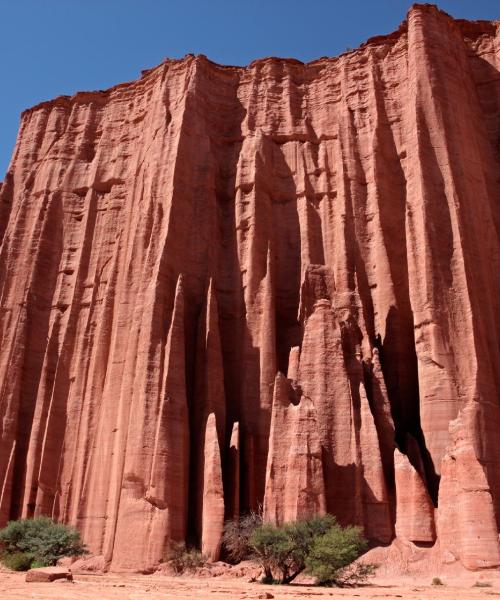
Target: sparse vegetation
x,y
17,561
437,581
183,559
318,546
236,537
332,555
482,584
39,542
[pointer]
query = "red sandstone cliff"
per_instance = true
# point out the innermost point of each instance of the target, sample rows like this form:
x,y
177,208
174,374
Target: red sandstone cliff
x,y
170,245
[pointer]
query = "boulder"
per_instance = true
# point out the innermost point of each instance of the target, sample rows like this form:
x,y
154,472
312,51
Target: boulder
x,y
48,574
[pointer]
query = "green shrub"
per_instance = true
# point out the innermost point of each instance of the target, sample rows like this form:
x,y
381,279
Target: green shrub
x,y
43,540
17,561
332,555
38,563
273,550
437,581
184,560
319,545
236,537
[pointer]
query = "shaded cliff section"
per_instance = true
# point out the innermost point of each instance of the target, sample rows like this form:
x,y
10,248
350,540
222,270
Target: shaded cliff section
x,y
277,285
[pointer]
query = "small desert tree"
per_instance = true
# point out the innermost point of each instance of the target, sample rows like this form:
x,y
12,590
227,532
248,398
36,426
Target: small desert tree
x,y
332,555
38,541
285,548
272,549
319,546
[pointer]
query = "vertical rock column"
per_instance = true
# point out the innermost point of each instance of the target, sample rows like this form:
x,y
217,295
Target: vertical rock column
x,y
377,516
414,508
322,376
233,474
453,247
209,398
153,515
213,494
295,486
467,526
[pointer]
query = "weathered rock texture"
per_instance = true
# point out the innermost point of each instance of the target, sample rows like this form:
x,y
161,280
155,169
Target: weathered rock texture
x,y
414,508
212,494
295,485
170,245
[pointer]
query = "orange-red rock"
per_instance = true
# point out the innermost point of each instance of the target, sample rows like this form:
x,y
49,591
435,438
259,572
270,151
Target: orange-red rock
x,y
295,487
376,508
467,525
233,474
169,245
212,520
48,574
414,508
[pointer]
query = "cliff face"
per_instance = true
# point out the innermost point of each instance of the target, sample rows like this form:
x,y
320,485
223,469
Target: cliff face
x,y
277,284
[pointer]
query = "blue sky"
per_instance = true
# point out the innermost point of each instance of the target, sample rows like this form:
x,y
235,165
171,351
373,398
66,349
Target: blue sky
x,y
54,47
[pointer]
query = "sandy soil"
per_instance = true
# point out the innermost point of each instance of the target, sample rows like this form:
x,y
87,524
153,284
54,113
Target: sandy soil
x,y
139,587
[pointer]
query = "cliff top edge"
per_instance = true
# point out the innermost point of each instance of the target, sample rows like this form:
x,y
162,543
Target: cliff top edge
x,y
469,28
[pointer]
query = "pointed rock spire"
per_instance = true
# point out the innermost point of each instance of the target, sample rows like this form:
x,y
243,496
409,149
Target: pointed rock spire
x,y
277,458
171,450
153,506
209,393
376,511
213,494
210,370
233,469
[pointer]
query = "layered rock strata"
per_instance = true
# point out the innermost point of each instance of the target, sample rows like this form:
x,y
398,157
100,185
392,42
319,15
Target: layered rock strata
x,y
309,251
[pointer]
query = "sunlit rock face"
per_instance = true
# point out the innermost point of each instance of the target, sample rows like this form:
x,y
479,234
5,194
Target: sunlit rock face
x,y
225,287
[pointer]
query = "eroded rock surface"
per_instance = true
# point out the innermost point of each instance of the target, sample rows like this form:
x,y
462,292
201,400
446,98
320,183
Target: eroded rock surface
x,y
170,245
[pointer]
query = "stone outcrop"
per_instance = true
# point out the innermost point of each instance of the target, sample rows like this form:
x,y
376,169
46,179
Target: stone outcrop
x,y
222,287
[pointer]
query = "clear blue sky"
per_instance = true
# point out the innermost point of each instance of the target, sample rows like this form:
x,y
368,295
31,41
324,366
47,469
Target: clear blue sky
x,y
54,47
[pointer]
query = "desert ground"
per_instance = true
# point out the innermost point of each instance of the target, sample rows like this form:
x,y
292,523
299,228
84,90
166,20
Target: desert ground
x,y
139,587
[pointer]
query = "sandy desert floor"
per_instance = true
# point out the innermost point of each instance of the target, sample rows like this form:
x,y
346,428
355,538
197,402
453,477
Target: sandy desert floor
x,y
139,587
